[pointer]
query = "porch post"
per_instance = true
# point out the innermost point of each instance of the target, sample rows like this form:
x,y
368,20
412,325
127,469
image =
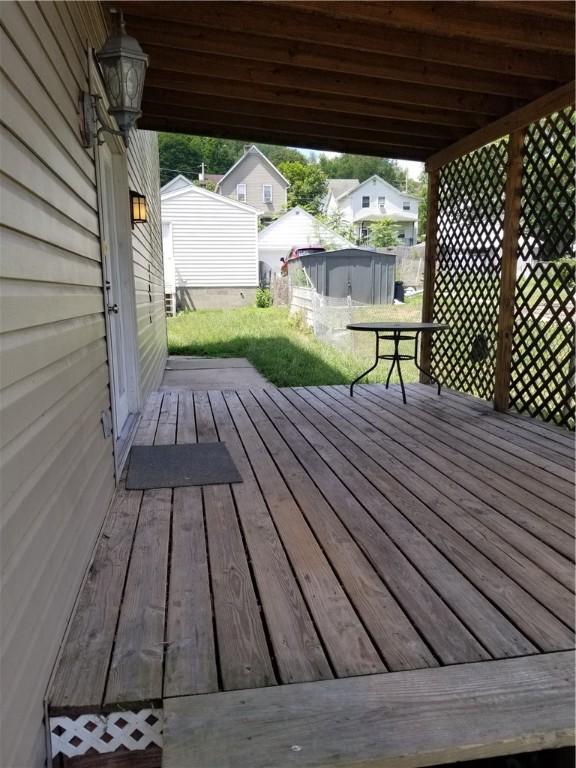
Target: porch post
x,y
513,198
429,271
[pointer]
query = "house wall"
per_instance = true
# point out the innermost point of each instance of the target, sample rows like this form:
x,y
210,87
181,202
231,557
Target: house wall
x,y
254,172
393,200
144,177
57,469
215,250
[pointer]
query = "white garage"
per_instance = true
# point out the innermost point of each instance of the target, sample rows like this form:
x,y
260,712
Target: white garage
x,y
211,248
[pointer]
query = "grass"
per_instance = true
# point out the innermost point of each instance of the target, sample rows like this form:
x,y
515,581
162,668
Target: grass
x,y
280,347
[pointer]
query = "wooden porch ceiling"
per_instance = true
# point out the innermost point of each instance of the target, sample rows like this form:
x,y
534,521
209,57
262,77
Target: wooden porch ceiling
x,y
393,79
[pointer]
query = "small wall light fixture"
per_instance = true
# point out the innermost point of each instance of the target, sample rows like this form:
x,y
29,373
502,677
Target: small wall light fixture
x,y
138,209
123,64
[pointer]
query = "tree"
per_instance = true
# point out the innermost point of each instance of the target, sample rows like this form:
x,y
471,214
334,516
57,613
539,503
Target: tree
x,y
361,167
383,234
336,222
308,185
185,154
277,154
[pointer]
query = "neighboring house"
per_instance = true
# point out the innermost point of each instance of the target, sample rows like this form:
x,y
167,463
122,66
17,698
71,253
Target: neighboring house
x,y
210,247
83,339
372,200
256,181
296,227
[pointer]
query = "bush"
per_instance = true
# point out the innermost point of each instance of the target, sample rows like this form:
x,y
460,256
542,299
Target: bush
x,y
263,298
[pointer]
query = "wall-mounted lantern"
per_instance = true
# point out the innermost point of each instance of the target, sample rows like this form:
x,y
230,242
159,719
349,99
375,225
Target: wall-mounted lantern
x,y
123,64
138,209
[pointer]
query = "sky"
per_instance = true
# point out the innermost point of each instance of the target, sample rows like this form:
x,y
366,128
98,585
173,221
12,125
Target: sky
x,y
412,166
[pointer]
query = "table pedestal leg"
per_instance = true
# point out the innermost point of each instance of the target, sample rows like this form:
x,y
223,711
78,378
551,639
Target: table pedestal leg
x,y
396,359
356,380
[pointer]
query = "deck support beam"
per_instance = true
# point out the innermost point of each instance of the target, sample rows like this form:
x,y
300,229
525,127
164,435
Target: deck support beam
x,y
512,212
429,271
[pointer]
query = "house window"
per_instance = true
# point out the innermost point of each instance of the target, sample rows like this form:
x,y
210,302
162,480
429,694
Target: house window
x,y
366,201
266,193
401,235
406,205
381,202
241,192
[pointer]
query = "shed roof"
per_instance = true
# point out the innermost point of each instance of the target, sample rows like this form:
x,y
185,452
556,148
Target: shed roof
x,y
392,79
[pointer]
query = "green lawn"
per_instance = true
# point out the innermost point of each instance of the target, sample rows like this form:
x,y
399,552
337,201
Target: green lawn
x,y
287,354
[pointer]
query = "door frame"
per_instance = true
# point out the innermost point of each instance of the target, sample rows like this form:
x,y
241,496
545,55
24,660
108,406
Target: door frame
x,y
123,227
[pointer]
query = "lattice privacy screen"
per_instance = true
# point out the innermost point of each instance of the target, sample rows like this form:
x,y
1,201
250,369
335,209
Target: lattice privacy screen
x,y
467,283
542,377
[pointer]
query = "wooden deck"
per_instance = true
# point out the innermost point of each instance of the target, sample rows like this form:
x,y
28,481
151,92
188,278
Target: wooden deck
x,y
370,548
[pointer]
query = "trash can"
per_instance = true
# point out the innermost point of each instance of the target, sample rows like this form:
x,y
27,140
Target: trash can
x,y
398,290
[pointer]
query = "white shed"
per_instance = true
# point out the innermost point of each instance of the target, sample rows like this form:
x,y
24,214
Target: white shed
x,y
297,228
212,242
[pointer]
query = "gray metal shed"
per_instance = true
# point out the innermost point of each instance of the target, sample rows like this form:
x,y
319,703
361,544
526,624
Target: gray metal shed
x,y
366,276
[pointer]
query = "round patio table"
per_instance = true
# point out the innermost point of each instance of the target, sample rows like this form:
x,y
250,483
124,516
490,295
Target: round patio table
x,y
396,332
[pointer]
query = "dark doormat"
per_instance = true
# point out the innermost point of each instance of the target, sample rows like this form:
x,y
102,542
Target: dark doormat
x,y
171,466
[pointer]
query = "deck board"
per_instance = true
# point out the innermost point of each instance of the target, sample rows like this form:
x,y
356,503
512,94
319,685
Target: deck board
x,y
401,720
244,657
347,643
433,471
513,478
511,597
379,491
369,540
295,641
399,644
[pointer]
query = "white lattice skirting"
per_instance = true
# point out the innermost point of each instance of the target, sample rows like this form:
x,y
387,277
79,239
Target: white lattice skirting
x,y
105,733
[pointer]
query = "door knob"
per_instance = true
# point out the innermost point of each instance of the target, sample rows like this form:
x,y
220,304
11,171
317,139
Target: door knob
x,y
113,308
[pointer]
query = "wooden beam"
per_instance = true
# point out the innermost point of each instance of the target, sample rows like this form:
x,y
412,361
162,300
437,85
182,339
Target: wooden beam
x,y
286,138
331,59
293,126
555,9
429,271
233,69
553,102
512,210
408,719
295,97
279,112
465,20
289,25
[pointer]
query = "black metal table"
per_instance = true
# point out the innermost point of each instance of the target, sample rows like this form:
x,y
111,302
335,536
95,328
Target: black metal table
x,y
396,332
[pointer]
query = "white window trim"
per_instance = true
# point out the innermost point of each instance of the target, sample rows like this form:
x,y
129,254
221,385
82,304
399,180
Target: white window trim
x,y
241,195
364,197
406,206
264,188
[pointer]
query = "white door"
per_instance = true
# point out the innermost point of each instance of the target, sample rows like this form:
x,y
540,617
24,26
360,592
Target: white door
x,y
119,290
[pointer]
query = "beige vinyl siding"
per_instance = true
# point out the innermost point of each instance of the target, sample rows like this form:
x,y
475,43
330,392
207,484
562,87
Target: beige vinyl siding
x,y
255,172
57,469
144,177
215,243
